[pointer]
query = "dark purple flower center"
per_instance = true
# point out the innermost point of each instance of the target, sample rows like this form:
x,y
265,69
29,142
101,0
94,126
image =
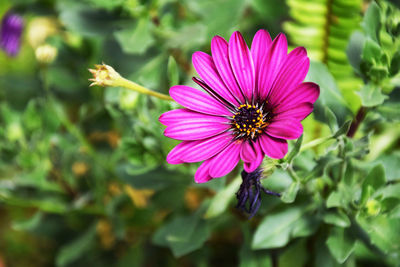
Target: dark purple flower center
x,y
249,121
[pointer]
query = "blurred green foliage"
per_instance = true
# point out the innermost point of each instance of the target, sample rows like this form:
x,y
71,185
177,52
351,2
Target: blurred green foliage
x,y
83,177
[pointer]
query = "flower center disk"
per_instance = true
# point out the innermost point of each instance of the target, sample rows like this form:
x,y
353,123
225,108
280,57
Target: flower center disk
x,y
248,121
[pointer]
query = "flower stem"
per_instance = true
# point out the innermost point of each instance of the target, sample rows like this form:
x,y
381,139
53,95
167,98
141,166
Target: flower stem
x,y
315,142
122,82
357,121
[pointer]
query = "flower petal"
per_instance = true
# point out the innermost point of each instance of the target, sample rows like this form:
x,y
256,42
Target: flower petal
x,y
220,55
291,75
225,161
270,65
299,112
202,174
185,115
195,151
251,166
205,67
273,147
259,48
195,130
248,152
285,128
173,156
197,100
242,64
305,92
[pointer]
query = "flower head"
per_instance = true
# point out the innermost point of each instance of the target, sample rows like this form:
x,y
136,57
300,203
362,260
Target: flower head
x,y
10,33
104,75
254,101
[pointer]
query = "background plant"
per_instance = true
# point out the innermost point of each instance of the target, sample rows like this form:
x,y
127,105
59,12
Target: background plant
x,y
83,177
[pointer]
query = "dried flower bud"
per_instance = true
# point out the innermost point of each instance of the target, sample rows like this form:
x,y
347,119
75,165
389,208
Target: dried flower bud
x,y
104,75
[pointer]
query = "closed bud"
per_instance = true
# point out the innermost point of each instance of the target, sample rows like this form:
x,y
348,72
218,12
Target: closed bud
x,y
46,54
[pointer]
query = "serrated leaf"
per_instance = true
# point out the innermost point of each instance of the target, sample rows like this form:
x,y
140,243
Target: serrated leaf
x,y
341,244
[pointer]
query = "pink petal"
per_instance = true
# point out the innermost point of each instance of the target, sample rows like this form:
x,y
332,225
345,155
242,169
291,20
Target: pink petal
x,y
259,48
202,175
305,92
225,161
273,147
285,129
195,151
173,156
219,50
205,67
291,75
270,65
178,116
195,130
242,64
197,100
251,166
248,152
299,112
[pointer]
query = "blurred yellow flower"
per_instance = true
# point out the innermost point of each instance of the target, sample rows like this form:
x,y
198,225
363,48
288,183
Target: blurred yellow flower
x,y
139,197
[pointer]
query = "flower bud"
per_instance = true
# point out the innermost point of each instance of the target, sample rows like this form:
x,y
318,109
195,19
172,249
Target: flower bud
x,y
46,53
104,75
373,207
39,29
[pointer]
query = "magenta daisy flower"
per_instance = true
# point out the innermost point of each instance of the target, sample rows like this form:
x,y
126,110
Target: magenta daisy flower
x,y
254,100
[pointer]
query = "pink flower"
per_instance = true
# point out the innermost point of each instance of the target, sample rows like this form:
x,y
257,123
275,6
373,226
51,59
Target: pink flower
x,y
255,100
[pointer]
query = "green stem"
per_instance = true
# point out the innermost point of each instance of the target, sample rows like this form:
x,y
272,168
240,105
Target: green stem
x,y
122,82
315,142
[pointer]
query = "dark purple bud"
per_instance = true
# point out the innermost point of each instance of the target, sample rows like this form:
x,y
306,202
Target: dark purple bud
x,y
249,194
10,33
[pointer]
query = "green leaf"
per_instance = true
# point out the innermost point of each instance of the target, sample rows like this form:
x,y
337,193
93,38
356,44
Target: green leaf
x,y
29,224
384,232
173,71
354,49
341,244
376,177
371,51
74,250
221,200
338,218
290,194
391,165
372,21
343,129
295,150
331,119
183,234
371,95
395,64
390,111
137,38
275,230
